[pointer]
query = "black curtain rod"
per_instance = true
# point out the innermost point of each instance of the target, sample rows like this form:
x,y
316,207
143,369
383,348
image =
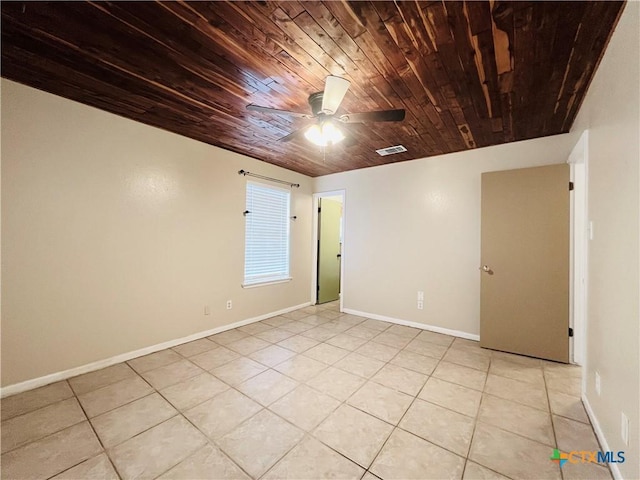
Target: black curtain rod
x,y
249,174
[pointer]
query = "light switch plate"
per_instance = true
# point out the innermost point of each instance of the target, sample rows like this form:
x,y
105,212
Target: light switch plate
x,y
624,430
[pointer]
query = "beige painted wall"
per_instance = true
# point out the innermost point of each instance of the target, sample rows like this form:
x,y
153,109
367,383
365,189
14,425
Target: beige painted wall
x,y
116,234
611,112
415,226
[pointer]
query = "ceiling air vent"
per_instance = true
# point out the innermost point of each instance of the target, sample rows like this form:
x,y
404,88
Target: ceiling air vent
x,y
383,152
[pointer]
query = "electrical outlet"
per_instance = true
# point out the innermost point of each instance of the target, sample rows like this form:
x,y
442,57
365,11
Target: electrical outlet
x,y
420,305
420,296
207,310
624,430
229,305
598,383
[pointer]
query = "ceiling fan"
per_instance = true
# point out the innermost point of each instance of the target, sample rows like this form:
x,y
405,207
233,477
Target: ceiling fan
x,y
324,105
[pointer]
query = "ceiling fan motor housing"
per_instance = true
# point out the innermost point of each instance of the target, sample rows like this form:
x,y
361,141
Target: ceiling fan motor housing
x,y
315,100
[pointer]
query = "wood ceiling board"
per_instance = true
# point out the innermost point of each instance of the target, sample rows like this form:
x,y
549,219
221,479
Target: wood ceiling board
x,y
469,74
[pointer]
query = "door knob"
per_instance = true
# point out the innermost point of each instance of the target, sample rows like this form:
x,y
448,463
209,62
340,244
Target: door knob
x,y
486,269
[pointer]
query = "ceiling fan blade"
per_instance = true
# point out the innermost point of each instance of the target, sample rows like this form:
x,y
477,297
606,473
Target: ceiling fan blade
x,y
293,135
286,113
379,116
334,90
349,140
349,132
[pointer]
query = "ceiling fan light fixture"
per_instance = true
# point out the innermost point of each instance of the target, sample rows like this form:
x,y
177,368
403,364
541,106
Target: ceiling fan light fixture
x,y
324,106
324,134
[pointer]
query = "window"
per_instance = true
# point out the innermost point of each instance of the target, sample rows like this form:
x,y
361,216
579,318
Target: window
x,y
266,257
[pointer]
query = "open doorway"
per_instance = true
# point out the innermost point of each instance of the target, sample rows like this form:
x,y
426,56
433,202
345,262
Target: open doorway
x,y
329,247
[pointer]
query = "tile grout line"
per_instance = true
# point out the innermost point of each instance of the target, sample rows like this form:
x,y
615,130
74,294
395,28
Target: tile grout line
x,y
104,450
342,402
40,407
475,425
475,418
181,414
406,411
552,414
155,390
209,441
263,408
416,397
29,442
74,396
107,450
553,425
308,434
549,412
388,362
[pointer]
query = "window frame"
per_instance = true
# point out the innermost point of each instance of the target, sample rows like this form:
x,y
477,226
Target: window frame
x,y
274,278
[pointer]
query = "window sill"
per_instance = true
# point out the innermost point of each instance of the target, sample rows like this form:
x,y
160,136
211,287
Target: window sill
x,y
266,283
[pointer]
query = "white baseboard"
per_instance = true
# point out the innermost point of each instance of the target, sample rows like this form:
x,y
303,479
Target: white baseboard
x,y
615,470
107,362
422,326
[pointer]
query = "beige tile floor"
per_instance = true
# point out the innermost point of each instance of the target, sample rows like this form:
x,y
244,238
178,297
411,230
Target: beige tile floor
x,y
311,394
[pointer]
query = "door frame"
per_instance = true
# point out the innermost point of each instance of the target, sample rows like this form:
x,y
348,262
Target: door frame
x,y
314,257
579,167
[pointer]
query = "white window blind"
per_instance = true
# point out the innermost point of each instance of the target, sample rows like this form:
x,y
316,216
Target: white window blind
x,y
267,234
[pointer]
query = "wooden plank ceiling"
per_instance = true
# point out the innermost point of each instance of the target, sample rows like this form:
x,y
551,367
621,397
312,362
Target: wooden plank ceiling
x,y
469,74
